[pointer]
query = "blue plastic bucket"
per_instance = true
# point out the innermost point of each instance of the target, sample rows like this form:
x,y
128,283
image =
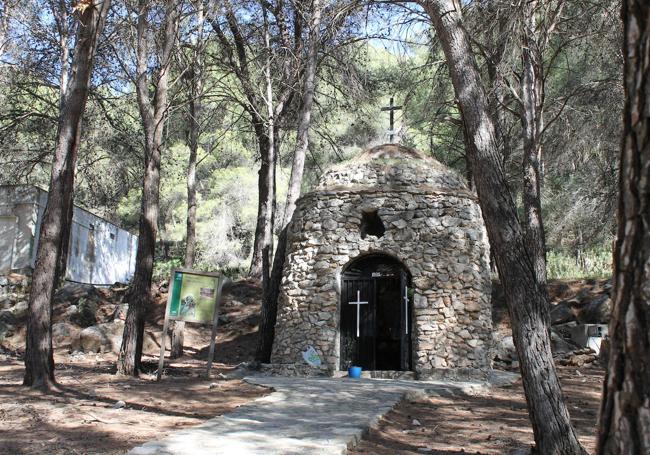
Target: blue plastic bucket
x,y
354,372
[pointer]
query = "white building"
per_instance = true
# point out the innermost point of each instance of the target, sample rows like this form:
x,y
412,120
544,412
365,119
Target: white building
x,y
99,252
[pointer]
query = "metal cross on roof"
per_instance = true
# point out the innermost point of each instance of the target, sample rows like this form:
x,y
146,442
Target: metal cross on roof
x,y
358,303
391,108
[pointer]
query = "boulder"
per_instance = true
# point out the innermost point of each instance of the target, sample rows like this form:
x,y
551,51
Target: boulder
x,y
504,349
6,303
6,330
20,309
85,314
8,317
596,311
94,339
559,345
72,292
106,337
65,334
562,313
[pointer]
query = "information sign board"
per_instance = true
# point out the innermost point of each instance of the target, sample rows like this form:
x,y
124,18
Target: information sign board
x,y
193,297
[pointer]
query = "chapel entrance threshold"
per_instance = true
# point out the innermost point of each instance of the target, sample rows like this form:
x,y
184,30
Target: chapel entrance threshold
x,y
376,312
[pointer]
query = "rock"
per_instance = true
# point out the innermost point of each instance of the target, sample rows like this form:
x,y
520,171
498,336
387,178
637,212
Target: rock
x,y
8,317
93,339
72,292
416,423
6,303
559,344
65,334
107,337
562,313
4,281
505,349
6,330
20,309
85,314
597,311
330,224
119,405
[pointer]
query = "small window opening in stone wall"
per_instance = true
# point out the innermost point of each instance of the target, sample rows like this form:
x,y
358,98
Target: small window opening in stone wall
x,y
371,225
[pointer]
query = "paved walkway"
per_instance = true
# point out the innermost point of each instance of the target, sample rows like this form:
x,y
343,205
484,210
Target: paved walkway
x,y
302,416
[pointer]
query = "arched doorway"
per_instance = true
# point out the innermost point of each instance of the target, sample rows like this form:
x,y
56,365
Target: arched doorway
x,y
376,313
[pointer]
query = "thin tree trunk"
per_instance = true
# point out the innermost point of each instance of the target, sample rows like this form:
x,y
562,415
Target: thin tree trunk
x,y
194,113
526,298
263,244
266,181
624,426
531,122
270,297
60,13
153,114
39,360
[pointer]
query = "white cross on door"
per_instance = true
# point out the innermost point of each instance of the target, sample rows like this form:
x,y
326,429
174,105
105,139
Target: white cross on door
x,y
358,303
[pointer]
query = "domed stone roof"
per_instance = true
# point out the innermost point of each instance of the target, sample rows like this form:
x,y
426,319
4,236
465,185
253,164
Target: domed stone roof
x,y
392,167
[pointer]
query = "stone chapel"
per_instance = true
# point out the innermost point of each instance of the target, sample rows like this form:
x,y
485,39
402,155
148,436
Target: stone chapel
x,y
387,269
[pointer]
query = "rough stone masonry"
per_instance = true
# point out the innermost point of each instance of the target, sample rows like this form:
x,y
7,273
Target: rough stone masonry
x,y
433,225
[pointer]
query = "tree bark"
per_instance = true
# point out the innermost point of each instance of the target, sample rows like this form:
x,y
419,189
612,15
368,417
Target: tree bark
x,y
39,360
194,127
153,113
526,298
624,426
60,14
272,291
267,139
532,86
263,243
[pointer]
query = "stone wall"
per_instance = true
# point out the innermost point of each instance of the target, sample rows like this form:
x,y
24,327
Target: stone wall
x,y
433,226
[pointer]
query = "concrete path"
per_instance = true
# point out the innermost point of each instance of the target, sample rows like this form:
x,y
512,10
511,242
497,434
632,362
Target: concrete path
x,y
302,416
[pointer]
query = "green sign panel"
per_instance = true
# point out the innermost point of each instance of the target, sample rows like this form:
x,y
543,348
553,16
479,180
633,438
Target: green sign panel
x,y
193,297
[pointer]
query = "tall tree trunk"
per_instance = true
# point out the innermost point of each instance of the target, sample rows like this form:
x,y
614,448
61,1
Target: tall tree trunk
x,y
193,120
60,13
526,298
39,360
531,123
263,243
624,426
270,296
153,113
267,140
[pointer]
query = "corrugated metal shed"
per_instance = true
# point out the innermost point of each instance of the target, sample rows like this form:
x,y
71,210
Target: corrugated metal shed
x,y
99,253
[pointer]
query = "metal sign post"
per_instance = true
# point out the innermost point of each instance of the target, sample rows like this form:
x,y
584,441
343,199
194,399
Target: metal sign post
x,y
215,323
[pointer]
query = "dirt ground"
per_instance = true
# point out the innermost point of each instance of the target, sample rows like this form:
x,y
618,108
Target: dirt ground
x,y
85,418
493,424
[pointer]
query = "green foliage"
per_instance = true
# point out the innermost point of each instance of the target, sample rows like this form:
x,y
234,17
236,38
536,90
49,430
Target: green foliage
x,y
592,263
162,269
